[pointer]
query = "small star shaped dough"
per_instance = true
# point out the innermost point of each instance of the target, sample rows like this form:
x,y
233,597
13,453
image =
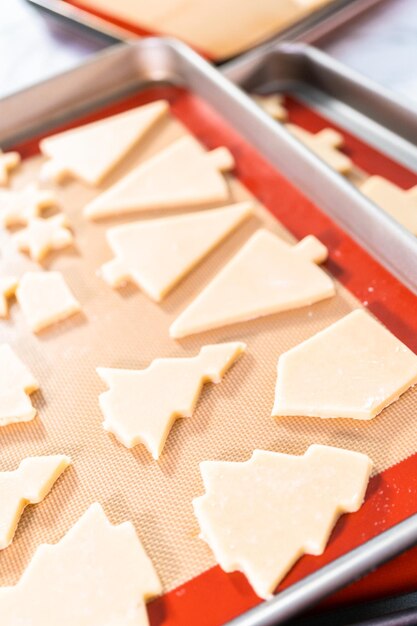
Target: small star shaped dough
x,y
352,369
97,575
142,405
273,105
43,235
8,162
29,484
8,286
325,144
18,206
45,298
262,515
16,383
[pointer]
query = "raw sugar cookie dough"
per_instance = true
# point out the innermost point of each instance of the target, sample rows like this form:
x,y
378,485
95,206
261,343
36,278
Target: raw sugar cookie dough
x,y
8,162
325,144
142,405
16,384
364,366
30,483
91,151
41,236
18,206
97,574
401,204
8,286
157,254
248,508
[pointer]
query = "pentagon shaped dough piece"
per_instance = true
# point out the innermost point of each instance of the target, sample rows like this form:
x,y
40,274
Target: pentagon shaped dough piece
x,y
325,144
157,254
45,298
43,235
142,405
29,484
18,206
273,105
97,575
182,175
91,151
16,383
354,368
8,285
266,276
400,203
8,162
261,516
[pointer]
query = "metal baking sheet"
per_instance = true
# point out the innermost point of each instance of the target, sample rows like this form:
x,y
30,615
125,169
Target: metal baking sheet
x,y
353,103
321,21
218,114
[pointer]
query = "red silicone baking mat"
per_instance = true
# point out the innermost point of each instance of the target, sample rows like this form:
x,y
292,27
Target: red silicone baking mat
x,y
214,597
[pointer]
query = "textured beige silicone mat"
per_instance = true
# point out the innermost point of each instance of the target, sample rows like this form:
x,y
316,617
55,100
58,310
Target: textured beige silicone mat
x,y
125,329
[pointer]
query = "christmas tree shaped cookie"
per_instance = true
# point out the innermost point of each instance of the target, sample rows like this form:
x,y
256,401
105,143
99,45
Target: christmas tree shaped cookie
x,y
16,383
400,203
261,516
43,235
91,151
97,575
157,254
45,298
29,484
8,162
8,286
142,405
354,368
273,105
266,276
182,175
325,144
17,207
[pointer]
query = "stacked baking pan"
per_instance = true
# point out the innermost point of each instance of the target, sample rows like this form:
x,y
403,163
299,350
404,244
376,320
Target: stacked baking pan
x,y
372,257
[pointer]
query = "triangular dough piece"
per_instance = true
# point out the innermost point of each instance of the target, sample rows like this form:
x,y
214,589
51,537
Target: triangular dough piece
x,y
91,151
272,104
29,484
261,516
266,276
17,207
400,203
157,254
325,144
142,405
97,575
45,298
354,368
8,286
182,175
8,162
43,235
16,383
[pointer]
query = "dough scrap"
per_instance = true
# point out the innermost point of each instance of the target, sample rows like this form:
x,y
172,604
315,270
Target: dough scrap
x,y
261,516
272,104
8,162
325,144
157,254
29,484
42,235
354,368
17,207
45,298
182,175
266,276
97,575
400,203
142,405
16,383
91,151
8,286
